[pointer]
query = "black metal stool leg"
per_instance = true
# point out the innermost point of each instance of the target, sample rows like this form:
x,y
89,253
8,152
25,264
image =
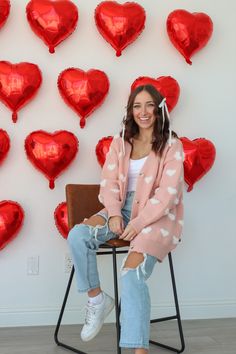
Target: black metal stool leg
x,y
175,317
176,304
117,308
61,315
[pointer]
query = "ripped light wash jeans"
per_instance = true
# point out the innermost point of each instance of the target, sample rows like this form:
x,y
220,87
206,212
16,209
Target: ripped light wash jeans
x,y
84,241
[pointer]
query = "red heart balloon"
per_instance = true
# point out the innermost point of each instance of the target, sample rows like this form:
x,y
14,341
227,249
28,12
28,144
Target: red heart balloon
x,y
4,145
102,149
19,83
83,91
51,153
119,24
61,219
11,219
52,20
4,11
189,32
166,85
199,157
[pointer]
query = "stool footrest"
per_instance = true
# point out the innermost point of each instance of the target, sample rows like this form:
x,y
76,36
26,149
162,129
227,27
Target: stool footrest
x,y
167,347
162,319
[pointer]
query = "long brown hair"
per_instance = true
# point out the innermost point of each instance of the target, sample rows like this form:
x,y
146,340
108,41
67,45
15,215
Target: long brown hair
x,y
159,135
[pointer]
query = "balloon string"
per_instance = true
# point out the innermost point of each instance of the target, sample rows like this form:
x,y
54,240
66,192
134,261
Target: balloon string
x,y
51,49
14,116
51,184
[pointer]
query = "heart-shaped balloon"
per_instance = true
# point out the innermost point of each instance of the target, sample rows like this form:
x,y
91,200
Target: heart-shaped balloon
x,y
52,20
11,219
189,32
199,157
166,85
19,83
51,153
4,11
4,145
83,91
102,149
119,24
61,219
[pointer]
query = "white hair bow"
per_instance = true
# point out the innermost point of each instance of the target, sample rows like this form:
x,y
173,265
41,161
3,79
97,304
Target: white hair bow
x,y
164,109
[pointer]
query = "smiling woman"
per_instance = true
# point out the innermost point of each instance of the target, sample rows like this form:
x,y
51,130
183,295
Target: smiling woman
x,y
141,190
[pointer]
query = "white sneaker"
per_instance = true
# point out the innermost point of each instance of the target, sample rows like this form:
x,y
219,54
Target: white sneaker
x,y
95,316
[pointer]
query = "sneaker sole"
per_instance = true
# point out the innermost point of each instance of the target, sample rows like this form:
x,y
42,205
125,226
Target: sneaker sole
x,y
109,309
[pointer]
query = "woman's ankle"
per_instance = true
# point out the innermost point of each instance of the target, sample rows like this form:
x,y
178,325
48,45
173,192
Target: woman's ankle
x,y
141,351
94,292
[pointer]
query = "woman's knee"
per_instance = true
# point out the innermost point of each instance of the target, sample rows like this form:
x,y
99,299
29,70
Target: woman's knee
x,y
133,260
95,220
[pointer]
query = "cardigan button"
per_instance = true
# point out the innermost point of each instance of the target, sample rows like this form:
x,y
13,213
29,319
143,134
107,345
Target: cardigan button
x,y
136,201
141,174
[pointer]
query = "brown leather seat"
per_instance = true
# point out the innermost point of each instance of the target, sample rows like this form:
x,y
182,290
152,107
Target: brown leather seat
x,y
82,202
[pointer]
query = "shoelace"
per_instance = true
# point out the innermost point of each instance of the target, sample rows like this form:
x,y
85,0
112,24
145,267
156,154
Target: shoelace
x,y
90,312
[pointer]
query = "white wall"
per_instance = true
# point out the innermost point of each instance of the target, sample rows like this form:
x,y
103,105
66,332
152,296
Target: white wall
x,y
205,261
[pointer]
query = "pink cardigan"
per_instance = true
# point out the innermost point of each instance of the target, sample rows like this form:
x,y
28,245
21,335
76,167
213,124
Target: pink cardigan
x,y
157,211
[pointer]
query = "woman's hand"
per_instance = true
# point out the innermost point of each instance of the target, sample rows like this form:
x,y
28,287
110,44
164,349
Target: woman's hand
x,y
116,224
129,233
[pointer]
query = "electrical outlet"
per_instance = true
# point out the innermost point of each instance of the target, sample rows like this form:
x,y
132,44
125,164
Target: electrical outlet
x,y
68,263
33,265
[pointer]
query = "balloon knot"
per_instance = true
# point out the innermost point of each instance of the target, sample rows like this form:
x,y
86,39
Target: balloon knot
x,y
188,61
14,116
82,122
190,188
51,49
51,184
118,53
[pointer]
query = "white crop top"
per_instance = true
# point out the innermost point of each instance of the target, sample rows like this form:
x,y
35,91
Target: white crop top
x,y
134,168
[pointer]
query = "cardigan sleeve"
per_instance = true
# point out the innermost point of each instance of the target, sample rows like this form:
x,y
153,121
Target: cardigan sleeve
x,y
109,193
167,193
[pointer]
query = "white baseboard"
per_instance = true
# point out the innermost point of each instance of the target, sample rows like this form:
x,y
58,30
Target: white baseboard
x,y
48,316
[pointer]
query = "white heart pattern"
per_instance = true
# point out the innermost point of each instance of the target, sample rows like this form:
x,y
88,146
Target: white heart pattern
x,y
166,211
170,173
115,190
122,177
181,222
111,166
164,232
178,156
103,183
146,230
154,201
175,240
172,190
171,216
148,179
176,201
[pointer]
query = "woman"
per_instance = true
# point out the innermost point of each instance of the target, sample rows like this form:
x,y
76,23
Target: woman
x,y
141,190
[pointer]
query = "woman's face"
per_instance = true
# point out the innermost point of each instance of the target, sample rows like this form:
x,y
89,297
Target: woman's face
x,y
143,110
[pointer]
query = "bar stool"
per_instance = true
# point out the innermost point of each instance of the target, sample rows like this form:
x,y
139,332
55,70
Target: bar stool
x,y
82,201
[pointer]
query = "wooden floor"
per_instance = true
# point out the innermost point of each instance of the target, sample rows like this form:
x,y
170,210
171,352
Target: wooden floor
x,y
201,337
